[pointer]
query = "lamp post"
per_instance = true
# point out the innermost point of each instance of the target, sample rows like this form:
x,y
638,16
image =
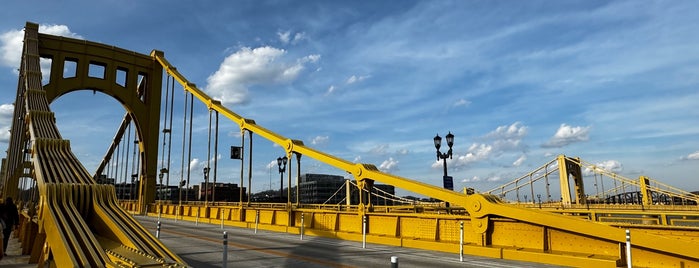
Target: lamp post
x,y
206,185
281,162
448,181
160,191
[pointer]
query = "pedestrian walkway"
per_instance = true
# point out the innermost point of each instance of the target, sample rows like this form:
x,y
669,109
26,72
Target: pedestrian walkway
x,y
14,258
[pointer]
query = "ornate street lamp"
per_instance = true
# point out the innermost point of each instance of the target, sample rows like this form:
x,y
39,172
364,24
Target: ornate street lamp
x,y
448,181
281,162
206,185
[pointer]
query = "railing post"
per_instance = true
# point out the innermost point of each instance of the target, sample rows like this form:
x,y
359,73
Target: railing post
x,y
363,231
461,241
394,261
196,222
225,249
157,231
257,219
302,225
628,248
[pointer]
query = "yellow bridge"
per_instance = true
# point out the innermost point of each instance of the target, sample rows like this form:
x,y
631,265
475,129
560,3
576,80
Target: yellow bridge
x,y
72,218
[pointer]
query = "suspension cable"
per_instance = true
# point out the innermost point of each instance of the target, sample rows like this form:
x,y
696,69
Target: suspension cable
x,y
184,138
126,157
338,190
169,143
213,198
116,168
165,132
208,162
189,158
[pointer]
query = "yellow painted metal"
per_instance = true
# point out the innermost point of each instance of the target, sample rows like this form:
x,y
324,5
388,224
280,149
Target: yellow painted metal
x,y
645,191
493,228
483,209
566,170
78,223
503,238
139,93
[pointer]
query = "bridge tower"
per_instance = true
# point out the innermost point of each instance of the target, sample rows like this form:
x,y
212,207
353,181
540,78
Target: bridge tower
x,y
569,170
133,79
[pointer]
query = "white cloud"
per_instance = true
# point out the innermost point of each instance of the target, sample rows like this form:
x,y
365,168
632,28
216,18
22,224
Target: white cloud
x,y
461,102
474,179
247,66
519,161
380,149
195,165
330,90
11,43
320,140
403,151
567,134
479,179
475,153
389,165
272,164
692,156
298,37
355,79
357,159
507,138
286,38
6,113
609,165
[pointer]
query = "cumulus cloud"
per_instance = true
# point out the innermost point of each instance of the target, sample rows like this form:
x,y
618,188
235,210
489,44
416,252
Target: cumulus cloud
x,y
692,156
566,135
272,164
11,43
389,165
609,165
507,138
504,139
319,140
247,67
196,165
6,113
475,153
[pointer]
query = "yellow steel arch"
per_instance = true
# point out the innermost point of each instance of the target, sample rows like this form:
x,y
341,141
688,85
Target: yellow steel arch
x,y
132,79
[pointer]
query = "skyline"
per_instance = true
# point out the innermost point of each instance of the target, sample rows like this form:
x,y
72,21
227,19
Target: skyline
x,y
614,83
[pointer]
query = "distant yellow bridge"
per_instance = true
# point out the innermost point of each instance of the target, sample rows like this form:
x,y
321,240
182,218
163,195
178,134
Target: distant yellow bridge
x,y
73,218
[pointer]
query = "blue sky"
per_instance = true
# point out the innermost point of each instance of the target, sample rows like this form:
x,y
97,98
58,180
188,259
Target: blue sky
x,y
517,82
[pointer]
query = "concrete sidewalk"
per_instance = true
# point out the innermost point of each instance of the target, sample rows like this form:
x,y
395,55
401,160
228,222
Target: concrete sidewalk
x,y
14,258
